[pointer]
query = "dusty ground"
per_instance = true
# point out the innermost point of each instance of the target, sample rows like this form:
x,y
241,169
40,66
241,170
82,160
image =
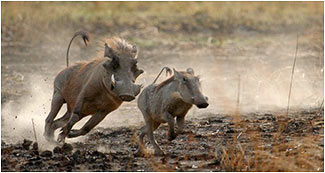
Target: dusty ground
x,y
203,148
247,46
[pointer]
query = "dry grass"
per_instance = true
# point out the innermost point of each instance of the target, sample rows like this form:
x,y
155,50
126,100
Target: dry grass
x,y
300,154
26,18
286,150
250,13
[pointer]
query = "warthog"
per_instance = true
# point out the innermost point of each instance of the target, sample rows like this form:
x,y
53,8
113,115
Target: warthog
x,y
171,98
93,88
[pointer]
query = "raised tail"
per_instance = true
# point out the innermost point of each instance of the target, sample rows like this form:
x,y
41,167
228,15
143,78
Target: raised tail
x,y
168,71
85,37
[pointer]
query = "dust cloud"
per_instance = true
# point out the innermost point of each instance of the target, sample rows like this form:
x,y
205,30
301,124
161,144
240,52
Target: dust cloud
x,y
263,72
17,116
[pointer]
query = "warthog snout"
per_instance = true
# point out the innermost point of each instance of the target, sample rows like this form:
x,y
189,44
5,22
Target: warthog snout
x,y
201,102
203,105
127,92
127,97
130,96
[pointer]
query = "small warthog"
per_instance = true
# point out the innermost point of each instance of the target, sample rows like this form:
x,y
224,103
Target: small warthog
x,y
171,98
93,88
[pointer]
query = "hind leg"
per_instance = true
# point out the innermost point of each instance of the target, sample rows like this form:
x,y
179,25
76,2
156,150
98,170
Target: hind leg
x,y
73,119
91,123
57,102
148,130
143,131
61,122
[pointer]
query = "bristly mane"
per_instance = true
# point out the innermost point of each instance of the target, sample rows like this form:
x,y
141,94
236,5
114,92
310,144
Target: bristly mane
x,y
162,84
121,46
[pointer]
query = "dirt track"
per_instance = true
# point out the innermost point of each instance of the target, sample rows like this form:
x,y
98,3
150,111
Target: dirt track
x,y
200,149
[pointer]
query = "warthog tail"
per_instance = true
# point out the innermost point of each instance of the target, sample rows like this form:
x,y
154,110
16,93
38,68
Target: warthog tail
x,y
168,71
85,37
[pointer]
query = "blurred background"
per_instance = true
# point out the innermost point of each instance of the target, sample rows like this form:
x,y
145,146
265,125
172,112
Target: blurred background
x,y
225,43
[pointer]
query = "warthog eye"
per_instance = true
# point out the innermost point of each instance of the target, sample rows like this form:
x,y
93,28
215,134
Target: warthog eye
x,y
184,80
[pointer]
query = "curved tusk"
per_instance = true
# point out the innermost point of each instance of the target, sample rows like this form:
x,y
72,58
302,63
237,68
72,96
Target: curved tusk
x,y
136,55
113,79
143,82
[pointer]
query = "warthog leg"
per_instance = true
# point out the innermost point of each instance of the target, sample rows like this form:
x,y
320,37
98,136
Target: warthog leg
x,y
171,123
61,122
149,131
57,102
91,123
66,129
180,124
143,132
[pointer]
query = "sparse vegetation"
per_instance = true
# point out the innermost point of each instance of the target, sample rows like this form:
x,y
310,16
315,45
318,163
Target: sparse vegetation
x,y
180,19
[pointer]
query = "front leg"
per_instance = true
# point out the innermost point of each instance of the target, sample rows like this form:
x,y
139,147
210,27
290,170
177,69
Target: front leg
x,y
171,123
75,117
150,127
180,124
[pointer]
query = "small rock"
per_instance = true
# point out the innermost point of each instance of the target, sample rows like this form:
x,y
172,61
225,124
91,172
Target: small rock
x,y
230,131
35,146
99,154
46,153
26,144
67,148
57,150
76,154
215,162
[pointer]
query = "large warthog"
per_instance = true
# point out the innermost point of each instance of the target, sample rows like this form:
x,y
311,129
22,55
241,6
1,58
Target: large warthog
x,y
169,100
93,88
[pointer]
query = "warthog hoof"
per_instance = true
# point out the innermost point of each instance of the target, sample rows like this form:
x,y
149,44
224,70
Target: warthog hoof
x,y
74,133
61,138
186,132
139,153
159,153
172,137
49,138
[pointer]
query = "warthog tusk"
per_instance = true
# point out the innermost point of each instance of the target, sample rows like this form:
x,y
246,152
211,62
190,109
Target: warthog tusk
x,y
143,83
113,79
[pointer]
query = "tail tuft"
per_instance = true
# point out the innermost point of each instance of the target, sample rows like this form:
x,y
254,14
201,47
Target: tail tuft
x,y
85,36
168,71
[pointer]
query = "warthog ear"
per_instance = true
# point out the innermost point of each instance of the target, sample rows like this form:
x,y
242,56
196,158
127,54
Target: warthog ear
x,y
177,75
190,71
109,53
138,72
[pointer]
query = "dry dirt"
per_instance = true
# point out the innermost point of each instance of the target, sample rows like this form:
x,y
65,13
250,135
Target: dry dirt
x,y
202,148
